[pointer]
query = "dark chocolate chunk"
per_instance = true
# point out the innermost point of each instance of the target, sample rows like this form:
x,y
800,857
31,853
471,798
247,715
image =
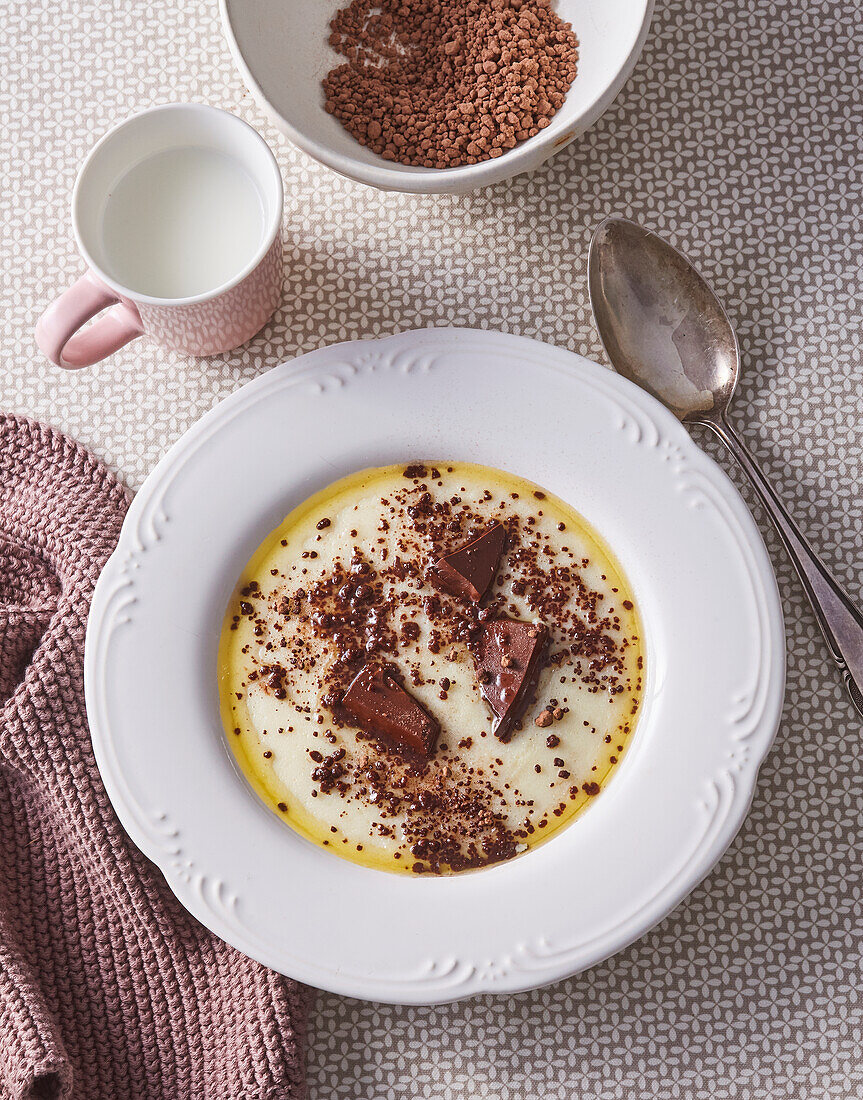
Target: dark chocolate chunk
x,y
468,571
509,657
379,702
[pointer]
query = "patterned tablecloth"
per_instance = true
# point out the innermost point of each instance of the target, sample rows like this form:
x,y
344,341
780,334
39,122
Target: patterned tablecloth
x,y
739,136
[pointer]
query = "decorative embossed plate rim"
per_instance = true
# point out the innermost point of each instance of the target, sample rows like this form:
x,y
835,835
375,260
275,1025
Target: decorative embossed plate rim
x,y
715,660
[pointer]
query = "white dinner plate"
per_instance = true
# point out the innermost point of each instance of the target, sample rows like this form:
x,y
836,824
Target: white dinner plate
x,y
714,653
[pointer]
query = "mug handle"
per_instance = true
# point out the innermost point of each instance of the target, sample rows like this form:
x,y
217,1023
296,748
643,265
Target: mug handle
x,y
57,331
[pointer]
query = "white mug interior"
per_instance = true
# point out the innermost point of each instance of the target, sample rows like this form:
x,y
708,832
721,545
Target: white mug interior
x,y
158,130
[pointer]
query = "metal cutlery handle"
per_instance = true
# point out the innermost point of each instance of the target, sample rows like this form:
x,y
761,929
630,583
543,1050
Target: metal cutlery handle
x,y
840,621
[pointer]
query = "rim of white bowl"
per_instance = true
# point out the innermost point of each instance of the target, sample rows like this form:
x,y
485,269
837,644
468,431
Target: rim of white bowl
x,y
387,176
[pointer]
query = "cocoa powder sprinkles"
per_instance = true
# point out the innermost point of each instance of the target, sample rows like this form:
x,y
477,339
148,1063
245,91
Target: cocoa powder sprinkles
x,y
444,83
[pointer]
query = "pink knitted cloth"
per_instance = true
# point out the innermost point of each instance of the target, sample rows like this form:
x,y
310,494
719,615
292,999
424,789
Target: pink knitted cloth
x,y
108,988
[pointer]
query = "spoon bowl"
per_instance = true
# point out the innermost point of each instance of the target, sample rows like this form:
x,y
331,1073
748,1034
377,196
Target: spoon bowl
x,y
660,323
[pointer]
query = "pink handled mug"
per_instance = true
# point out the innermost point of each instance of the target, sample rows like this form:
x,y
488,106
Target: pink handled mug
x,y
206,260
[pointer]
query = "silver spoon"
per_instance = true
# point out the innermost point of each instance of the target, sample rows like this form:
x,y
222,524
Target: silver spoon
x,y
664,329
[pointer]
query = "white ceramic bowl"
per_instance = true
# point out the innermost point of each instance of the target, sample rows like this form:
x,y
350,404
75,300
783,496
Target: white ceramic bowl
x,y
281,49
714,656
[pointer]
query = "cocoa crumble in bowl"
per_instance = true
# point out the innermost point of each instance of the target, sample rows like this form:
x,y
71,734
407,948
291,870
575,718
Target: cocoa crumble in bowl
x,y
434,98
444,83
431,668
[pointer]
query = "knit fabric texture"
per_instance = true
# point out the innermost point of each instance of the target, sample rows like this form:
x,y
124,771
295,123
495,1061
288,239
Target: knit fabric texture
x,y
108,988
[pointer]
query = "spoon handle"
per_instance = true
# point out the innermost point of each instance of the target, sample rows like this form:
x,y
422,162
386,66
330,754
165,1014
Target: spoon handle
x,y
840,621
